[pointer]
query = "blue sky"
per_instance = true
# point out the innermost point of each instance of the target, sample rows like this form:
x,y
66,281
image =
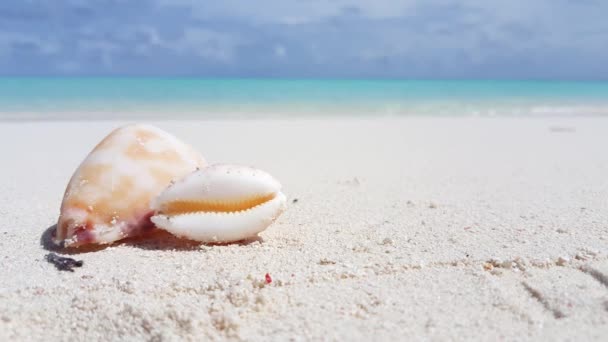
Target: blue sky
x,y
497,39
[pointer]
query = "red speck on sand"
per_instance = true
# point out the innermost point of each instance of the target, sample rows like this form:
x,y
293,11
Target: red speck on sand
x,y
268,279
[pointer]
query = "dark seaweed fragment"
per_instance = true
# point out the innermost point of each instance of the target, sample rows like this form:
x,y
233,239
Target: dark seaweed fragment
x,y
63,263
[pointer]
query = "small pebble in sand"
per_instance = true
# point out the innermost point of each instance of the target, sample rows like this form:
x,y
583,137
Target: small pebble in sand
x,y
432,205
488,266
387,241
562,261
63,263
295,200
267,278
325,261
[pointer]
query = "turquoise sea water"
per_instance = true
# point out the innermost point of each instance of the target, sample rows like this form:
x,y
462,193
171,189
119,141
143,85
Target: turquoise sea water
x,y
99,98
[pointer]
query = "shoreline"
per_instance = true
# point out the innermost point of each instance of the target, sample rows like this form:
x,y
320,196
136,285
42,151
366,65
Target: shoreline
x,y
185,116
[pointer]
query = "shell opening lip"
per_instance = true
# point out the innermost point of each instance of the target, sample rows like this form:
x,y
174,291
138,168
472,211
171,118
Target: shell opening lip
x,y
188,206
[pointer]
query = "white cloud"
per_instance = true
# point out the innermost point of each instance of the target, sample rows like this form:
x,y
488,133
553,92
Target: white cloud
x,y
291,11
13,41
205,43
280,51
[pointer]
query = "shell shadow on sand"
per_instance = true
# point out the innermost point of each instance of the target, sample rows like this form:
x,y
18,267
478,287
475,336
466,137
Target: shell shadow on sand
x,y
157,239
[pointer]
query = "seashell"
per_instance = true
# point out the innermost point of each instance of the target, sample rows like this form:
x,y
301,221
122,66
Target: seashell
x,y
220,203
108,197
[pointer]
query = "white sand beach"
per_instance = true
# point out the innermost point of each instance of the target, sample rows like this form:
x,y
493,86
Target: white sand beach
x,y
396,229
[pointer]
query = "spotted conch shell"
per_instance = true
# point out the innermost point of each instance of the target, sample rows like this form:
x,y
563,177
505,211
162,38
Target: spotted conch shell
x,y
108,197
219,203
